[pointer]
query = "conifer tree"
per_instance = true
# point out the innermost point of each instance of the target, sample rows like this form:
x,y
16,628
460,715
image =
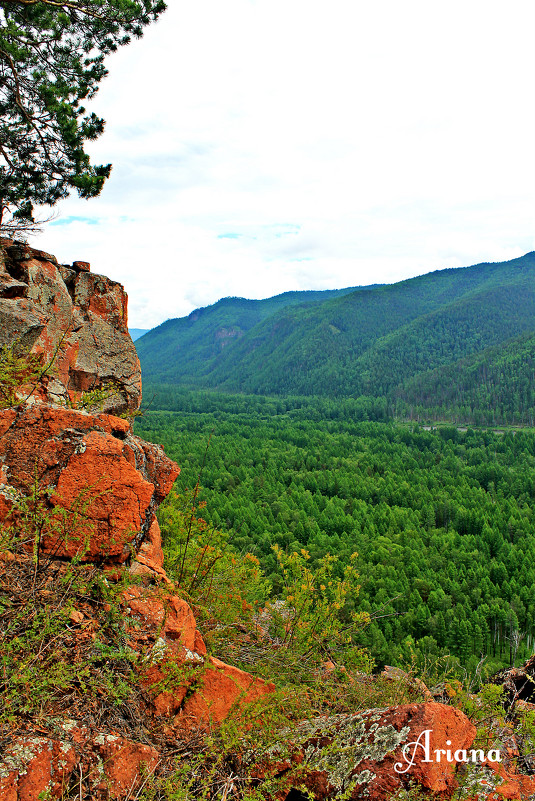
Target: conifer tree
x,y
51,61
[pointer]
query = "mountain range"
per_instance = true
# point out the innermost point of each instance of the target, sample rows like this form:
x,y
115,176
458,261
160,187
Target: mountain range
x,y
450,337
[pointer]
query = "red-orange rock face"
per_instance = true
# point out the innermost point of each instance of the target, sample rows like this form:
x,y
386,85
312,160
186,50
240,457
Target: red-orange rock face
x,y
163,627
219,690
34,768
372,755
103,483
149,558
73,318
160,612
124,765
107,481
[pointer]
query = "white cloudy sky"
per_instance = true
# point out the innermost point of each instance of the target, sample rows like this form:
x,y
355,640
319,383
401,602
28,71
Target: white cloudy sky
x,y
267,145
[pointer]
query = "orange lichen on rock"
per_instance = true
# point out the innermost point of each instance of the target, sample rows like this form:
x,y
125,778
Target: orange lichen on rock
x,y
124,765
164,627
114,500
221,689
176,664
162,614
98,483
35,767
107,480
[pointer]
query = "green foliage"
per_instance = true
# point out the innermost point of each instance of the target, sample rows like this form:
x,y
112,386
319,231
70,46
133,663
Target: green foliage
x,y
494,387
442,520
53,659
18,367
218,765
309,618
43,664
483,709
223,585
284,637
93,399
207,332
524,728
51,57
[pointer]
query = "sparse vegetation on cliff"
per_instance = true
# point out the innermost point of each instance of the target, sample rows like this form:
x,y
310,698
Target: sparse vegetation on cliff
x,y
18,367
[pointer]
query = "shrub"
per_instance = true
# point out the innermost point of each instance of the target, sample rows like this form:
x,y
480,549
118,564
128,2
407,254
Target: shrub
x,y
18,367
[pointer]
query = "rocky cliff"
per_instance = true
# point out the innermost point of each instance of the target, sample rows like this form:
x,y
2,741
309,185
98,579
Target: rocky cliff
x,y
107,686
73,318
91,465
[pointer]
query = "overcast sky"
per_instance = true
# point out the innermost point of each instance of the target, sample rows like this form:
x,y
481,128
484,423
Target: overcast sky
x,y
260,146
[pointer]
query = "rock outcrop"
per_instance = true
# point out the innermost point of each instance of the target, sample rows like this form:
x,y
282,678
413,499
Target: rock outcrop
x,y
111,766
384,754
102,483
164,626
518,683
76,320
76,483
368,755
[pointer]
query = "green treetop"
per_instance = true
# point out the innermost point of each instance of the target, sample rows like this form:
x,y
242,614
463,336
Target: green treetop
x,y
51,59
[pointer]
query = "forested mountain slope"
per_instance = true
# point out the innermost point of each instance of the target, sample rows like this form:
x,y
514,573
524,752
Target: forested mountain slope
x,y
496,387
186,347
366,342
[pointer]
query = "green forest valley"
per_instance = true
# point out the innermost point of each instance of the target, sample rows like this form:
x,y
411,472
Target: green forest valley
x,y
442,519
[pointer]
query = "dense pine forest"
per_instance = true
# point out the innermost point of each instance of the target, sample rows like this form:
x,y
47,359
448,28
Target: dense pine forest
x,y
495,387
442,518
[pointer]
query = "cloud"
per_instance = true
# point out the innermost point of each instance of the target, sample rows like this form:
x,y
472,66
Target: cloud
x,y
261,146
69,220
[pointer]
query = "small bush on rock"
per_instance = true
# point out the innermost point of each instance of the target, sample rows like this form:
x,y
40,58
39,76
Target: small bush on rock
x,y
17,367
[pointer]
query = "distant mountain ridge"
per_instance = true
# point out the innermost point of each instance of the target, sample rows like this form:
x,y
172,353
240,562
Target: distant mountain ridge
x,y
383,340
185,347
136,333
